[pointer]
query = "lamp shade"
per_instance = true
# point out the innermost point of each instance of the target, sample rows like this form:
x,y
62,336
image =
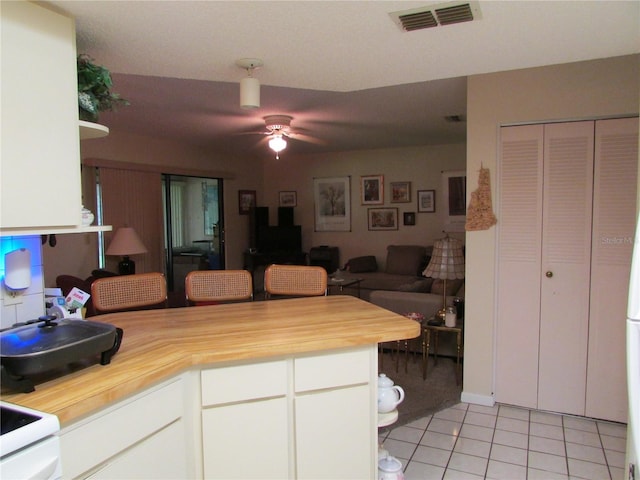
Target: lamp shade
x,y
250,93
126,242
447,260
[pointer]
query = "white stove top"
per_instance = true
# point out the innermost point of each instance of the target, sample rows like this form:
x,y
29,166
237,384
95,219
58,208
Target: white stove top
x,y
23,426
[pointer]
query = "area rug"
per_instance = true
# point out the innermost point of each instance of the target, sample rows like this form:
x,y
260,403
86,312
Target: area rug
x,y
422,397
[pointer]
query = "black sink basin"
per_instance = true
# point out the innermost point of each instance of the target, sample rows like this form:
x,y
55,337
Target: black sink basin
x,y
36,348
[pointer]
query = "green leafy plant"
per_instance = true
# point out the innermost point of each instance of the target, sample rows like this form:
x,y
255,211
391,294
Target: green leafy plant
x,y
94,94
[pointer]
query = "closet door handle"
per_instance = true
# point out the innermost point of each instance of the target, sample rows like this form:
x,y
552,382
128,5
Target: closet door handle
x,y
549,274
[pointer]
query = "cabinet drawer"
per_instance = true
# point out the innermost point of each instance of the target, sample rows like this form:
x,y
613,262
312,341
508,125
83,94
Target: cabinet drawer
x,y
244,382
332,370
104,435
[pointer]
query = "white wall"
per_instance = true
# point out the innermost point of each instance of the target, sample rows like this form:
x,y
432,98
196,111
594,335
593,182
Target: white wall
x,y
581,90
422,166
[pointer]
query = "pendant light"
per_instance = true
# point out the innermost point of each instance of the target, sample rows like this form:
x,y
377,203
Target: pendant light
x,y
249,86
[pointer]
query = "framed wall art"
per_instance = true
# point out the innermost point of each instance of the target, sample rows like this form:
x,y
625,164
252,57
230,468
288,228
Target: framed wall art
x,y
246,200
382,218
426,201
409,218
288,199
332,204
400,192
454,187
372,190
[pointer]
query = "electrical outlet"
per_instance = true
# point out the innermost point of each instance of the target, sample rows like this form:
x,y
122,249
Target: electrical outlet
x,y
9,297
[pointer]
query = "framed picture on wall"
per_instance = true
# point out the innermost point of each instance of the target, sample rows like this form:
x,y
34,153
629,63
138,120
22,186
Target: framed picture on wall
x,y
383,218
332,204
426,201
400,192
246,200
409,218
288,199
372,189
454,187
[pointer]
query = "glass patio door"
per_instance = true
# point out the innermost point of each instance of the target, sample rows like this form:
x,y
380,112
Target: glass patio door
x,y
194,226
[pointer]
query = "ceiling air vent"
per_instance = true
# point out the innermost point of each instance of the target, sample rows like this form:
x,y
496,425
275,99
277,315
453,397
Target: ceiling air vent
x,y
437,15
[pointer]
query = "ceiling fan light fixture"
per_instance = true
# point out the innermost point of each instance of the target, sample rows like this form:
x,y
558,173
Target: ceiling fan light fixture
x,y
277,143
249,86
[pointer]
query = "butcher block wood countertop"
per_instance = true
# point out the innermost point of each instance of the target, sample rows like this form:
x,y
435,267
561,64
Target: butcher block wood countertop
x,y
159,344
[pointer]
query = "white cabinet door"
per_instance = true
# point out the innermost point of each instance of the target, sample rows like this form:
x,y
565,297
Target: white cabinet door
x,y
566,260
245,421
161,456
40,152
334,434
246,440
614,217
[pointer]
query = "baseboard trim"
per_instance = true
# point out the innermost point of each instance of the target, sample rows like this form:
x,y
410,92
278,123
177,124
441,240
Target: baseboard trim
x,y
484,400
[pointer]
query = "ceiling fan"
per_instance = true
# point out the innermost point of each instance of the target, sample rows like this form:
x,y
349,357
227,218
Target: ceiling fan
x,y
279,129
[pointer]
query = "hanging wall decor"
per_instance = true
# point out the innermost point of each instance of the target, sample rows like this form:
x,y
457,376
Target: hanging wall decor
x,y
480,212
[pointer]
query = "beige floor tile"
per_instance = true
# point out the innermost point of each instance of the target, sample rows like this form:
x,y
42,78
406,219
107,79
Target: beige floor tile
x,y
585,452
512,439
468,463
480,419
506,471
473,447
439,440
588,470
503,453
547,462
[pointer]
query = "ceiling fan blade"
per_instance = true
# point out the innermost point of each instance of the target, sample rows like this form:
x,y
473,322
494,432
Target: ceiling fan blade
x,y
306,138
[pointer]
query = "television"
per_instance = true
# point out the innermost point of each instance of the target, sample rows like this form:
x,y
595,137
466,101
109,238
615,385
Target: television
x,y
280,239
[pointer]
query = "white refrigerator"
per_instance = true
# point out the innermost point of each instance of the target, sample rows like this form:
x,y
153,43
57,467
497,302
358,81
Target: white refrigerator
x,y
633,361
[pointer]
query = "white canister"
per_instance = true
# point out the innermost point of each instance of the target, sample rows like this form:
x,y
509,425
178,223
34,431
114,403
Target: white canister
x,y
389,395
390,468
450,316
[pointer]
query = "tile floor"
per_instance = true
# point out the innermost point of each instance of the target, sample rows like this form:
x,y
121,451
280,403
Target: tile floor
x,y
474,442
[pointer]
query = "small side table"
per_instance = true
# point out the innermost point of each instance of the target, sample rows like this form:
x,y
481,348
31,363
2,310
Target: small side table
x,y
426,340
343,282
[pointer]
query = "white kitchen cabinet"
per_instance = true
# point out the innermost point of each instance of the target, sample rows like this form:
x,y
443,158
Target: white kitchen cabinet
x,y
245,429
567,215
40,153
144,437
311,416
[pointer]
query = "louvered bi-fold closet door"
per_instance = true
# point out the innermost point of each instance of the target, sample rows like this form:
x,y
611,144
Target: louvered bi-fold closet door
x,y
614,218
565,234
546,174
565,267
519,236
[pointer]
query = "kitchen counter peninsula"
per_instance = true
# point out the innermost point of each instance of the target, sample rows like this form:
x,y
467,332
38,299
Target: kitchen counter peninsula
x,y
244,362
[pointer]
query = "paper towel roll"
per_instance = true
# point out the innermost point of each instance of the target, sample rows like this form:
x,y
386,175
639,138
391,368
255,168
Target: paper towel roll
x,y
17,268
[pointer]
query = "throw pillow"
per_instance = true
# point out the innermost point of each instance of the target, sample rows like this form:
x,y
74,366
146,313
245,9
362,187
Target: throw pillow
x,y
452,286
420,286
404,259
362,264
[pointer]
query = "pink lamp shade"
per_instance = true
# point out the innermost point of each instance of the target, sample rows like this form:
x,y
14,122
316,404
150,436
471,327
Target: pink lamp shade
x,y
126,242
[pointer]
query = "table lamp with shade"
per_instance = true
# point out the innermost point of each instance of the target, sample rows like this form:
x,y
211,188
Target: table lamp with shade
x,y
447,263
126,242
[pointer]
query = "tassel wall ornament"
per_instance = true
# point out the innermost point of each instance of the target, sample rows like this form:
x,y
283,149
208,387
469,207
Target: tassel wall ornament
x,y
480,212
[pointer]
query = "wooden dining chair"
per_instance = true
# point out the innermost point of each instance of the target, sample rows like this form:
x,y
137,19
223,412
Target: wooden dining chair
x,y
129,292
295,280
204,287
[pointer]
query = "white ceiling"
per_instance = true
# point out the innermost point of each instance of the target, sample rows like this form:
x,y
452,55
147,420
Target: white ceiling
x,y
344,70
